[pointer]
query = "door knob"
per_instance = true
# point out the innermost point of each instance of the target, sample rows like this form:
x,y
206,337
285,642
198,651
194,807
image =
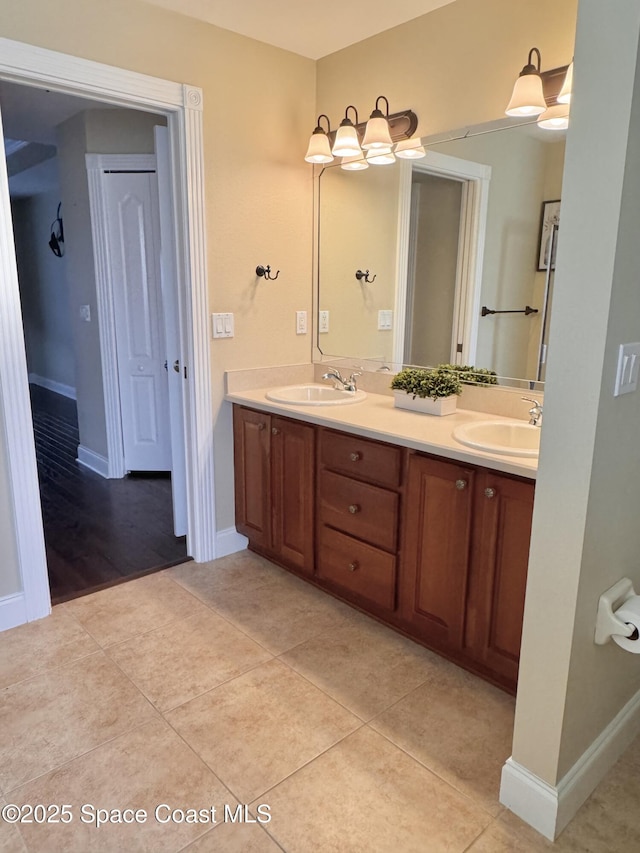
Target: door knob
x,y
489,493
354,508
461,484
353,566
275,431
261,426
355,457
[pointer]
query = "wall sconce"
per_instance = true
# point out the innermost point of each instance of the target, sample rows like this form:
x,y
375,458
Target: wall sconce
x,y
537,93
410,149
381,157
378,135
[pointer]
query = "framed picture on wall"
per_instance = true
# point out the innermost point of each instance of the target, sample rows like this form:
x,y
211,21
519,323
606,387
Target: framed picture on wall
x,y
549,218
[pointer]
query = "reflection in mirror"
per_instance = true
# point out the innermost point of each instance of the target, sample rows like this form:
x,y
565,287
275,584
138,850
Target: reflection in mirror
x,y
457,246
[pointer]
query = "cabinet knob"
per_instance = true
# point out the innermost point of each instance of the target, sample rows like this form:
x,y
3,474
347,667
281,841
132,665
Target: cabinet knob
x,y
275,431
489,493
354,508
353,566
261,426
355,457
461,484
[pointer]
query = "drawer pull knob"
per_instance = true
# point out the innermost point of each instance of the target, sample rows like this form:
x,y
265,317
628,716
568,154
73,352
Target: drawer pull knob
x,y
461,484
261,426
355,457
275,431
489,493
354,508
353,566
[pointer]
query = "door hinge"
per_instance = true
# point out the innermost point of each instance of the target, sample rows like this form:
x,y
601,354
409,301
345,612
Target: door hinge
x,y
185,371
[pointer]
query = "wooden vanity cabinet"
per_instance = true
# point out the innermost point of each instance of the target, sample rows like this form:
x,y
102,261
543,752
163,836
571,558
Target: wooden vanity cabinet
x,y
274,486
465,553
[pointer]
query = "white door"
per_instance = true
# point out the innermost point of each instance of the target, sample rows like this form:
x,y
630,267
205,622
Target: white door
x,y
171,314
134,240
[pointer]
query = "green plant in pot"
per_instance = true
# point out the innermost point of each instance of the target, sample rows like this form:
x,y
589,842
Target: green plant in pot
x,y
430,390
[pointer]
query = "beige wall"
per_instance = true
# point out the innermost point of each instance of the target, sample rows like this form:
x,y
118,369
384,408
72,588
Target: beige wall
x,y
585,532
258,108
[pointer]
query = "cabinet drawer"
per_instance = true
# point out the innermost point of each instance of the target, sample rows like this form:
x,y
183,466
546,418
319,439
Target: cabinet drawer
x,y
358,457
356,567
365,511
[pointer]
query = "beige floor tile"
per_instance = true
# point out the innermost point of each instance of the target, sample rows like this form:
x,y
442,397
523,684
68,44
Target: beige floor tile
x,y
129,609
62,713
364,665
181,660
632,753
234,838
141,769
234,573
365,794
282,612
10,838
40,645
458,726
257,729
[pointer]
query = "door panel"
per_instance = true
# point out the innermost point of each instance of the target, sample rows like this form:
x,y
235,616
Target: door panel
x,y
133,225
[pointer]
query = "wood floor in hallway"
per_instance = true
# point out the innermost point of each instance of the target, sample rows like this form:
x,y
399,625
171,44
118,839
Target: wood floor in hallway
x,y
97,532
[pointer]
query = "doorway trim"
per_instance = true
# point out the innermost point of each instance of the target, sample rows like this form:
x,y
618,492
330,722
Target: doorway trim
x,y
182,105
473,223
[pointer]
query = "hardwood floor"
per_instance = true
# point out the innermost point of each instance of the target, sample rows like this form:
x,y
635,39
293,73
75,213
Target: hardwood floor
x,y
97,532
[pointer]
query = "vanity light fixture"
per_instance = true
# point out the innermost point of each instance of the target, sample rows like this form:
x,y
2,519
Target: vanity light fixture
x,y
319,150
410,149
354,164
555,117
347,143
377,136
527,98
564,96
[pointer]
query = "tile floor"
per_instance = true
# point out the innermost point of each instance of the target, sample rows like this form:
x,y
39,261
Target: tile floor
x,y
234,683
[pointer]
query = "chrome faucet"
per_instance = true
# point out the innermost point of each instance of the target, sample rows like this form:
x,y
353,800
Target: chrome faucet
x,y
339,382
535,412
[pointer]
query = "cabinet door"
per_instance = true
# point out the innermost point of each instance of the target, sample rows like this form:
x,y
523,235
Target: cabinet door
x,y
292,477
502,530
435,550
251,436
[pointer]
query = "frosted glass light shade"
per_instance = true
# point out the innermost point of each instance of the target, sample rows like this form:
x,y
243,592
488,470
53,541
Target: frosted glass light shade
x,y
382,157
376,135
565,93
410,149
527,98
555,117
346,144
319,150
354,164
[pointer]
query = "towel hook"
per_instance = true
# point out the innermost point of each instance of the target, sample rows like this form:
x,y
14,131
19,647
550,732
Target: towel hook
x,y
266,272
364,275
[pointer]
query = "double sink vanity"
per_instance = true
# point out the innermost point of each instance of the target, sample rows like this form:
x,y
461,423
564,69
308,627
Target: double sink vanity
x,y
423,522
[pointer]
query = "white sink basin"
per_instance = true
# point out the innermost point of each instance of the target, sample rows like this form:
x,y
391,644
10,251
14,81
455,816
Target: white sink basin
x,y
314,395
512,439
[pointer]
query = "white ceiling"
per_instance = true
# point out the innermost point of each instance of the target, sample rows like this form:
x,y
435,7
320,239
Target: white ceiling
x,y
310,29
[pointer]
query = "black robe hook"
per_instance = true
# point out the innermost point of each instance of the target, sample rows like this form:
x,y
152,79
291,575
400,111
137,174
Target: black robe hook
x,y
266,272
364,275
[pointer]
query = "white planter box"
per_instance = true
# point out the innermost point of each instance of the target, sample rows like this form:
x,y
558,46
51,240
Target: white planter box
x,y
426,405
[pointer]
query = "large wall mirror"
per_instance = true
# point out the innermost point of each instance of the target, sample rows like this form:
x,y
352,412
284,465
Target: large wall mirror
x,y
448,258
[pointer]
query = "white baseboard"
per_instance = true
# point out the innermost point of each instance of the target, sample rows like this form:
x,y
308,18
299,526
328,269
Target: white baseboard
x,y
52,385
93,461
229,541
13,611
549,809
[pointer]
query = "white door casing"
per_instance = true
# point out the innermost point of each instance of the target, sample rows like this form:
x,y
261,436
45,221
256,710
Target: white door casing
x,y
171,313
182,105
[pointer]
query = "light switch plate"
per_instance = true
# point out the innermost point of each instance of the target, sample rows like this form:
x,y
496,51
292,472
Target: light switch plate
x,y
385,320
85,313
222,325
301,322
628,369
323,322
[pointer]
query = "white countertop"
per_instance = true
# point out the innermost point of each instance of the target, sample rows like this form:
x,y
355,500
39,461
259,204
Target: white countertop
x,y
377,418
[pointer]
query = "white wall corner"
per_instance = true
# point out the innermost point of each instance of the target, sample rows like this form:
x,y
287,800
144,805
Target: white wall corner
x,y
94,461
13,611
229,541
549,809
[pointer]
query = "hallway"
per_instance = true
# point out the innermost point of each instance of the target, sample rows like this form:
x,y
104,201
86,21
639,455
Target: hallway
x,y
97,531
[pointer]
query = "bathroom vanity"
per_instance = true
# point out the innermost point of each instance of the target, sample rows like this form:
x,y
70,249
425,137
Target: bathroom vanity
x,y
425,535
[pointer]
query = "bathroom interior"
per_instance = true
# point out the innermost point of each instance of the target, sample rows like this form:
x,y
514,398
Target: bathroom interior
x,y
318,267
